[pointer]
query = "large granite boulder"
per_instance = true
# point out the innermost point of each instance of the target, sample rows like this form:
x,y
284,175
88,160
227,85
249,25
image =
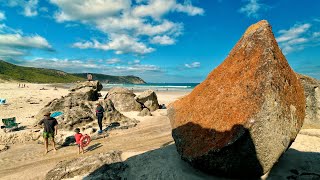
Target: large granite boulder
x,y
88,166
145,112
88,90
76,108
92,84
123,99
149,99
312,93
248,111
113,115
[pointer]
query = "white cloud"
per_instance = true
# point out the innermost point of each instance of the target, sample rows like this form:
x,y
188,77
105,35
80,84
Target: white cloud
x,y
17,40
89,10
113,61
136,61
316,34
29,6
158,8
44,9
154,8
138,68
14,43
130,21
293,33
189,9
296,38
2,16
93,65
192,65
252,8
120,43
163,40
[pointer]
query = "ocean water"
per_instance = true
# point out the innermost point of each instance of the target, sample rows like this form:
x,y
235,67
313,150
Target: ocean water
x,y
155,86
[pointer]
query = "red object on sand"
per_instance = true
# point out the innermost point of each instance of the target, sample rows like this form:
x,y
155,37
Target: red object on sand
x,y
85,140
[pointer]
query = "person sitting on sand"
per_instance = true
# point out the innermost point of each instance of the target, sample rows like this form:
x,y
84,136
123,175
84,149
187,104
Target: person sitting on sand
x,y
78,136
50,130
99,114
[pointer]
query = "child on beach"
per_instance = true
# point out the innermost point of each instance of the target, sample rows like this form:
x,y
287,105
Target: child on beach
x,y
78,136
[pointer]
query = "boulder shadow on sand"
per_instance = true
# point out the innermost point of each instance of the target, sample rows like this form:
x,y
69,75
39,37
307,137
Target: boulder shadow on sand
x,y
296,165
165,162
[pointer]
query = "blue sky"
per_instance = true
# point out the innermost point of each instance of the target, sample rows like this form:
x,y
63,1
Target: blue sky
x,y
157,40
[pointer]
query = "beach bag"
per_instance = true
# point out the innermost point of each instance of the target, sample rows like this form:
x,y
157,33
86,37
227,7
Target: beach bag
x,y
85,140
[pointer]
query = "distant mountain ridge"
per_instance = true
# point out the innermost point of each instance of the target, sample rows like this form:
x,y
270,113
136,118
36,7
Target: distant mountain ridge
x,y
113,79
11,72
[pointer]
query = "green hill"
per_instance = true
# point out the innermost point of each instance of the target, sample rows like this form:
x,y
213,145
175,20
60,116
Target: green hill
x,y
114,79
11,72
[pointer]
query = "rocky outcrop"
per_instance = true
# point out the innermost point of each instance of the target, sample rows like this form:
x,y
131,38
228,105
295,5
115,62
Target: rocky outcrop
x,y
148,99
312,94
78,111
145,112
123,99
88,90
88,166
78,106
113,115
96,85
240,120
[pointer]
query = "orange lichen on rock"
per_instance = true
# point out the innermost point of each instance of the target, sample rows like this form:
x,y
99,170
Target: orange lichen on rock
x,y
254,90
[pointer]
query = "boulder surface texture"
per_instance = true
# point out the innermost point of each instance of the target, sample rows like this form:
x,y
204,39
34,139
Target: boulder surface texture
x,y
87,166
312,93
149,99
244,116
77,107
123,99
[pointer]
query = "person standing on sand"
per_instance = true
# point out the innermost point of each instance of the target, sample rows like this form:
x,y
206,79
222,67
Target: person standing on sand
x,y
78,137
99,114
50,130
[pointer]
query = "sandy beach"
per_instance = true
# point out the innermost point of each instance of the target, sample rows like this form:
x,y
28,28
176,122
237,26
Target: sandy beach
x,y
150,139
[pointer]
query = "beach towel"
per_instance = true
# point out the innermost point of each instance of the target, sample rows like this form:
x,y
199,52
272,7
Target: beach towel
x,y
2,101
56,114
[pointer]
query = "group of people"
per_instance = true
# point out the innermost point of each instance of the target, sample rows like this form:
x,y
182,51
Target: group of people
x,y
22,85
51,129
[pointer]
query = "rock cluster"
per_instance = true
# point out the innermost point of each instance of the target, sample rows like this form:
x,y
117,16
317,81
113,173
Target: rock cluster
x,y
149,99
312,94
125,100
87,166
79,105
240,120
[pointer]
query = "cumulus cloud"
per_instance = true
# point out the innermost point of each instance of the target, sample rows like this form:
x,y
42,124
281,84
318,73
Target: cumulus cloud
x,y
131,22
113,61
158,8
316,34
29,6
136,61
163,40
92,65
252,8
154,8
293,33
192,65
297,37
189,9
14,43
2,16
120,43
88,10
